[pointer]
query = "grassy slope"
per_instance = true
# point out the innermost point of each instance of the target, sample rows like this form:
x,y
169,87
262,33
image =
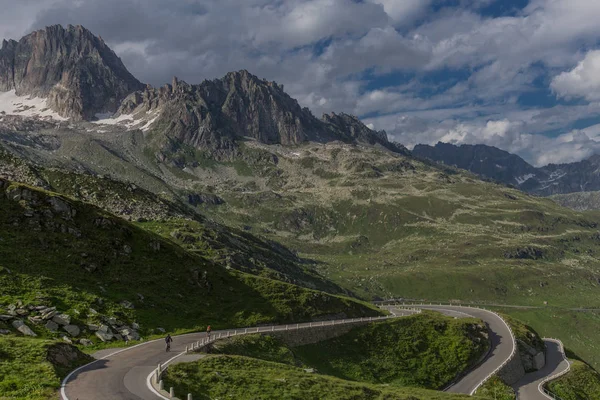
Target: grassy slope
x,y
495,389
423,350
247,378
105,260
393,226
426,350
28,372
241,250
577,330
165,215
581,383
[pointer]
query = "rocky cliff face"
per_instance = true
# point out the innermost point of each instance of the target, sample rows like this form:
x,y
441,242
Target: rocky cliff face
x,y
214,113
511,169
80,76
74,70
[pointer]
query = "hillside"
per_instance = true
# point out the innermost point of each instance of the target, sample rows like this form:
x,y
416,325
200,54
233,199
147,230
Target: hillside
x,y
93,266
580,201
398,360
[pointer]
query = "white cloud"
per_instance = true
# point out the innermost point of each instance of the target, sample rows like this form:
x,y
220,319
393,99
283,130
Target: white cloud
x,y
327,53
582,81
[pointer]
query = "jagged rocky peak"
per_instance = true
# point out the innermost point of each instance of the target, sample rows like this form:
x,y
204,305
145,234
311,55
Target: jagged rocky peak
x,y
235,106
74,70
354,128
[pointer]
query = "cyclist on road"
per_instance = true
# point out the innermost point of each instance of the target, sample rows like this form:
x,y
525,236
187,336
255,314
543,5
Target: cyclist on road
x,y
168,341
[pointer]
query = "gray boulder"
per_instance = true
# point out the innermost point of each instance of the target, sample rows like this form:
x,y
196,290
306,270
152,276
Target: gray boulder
x,y
5,318
85,342
4,332
49,313
72,330
104,336
62,319
127,304
36,320
24,329
51,326
93,327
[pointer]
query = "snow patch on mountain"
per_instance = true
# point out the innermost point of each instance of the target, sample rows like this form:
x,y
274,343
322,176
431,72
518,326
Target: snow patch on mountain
x,y
26,106
128,121
522,179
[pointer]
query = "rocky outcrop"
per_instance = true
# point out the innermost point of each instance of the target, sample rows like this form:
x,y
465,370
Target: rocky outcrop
x,y
215,113
74,70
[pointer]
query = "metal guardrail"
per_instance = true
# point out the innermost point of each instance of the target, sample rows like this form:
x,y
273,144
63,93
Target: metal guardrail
x,y
514,348
156,385
541,385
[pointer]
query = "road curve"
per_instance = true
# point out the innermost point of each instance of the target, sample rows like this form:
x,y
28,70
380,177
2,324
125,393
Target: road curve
x,y
122,374
530,386
502,345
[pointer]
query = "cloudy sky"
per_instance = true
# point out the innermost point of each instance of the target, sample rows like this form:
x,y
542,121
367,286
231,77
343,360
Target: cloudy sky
x,y
520,75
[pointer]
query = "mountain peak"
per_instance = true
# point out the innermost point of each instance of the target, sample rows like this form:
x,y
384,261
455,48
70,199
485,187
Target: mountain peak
x,y
74,70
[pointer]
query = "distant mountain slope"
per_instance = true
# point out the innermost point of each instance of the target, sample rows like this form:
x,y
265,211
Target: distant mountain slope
x,y
502,166
580,201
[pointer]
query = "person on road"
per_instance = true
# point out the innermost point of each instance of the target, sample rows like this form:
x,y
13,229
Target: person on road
x,y
208,330
168,341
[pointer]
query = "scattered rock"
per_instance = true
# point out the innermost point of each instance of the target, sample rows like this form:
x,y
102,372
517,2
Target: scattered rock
x,y
67,339
65,356
61,207
104,336
21,327
4,332
36,320
72,330
85,342
51,326
93,327
5,318
127,304
49,313
161,330
135,326
62,319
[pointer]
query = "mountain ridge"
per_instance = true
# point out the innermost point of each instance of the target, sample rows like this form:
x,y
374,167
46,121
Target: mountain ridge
x,y
502,166
82,79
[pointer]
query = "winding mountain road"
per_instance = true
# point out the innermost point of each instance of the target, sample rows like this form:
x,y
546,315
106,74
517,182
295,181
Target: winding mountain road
x,y
529,387
122,374
502,345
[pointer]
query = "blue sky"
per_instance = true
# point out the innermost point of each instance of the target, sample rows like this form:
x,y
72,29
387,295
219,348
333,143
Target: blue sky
x,y
522,75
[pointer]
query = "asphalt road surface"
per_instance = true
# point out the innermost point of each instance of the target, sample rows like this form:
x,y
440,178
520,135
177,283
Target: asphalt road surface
x,y
123,375
527,387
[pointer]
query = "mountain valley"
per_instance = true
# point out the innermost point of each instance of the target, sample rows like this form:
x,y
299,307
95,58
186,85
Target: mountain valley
x,y
150,209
